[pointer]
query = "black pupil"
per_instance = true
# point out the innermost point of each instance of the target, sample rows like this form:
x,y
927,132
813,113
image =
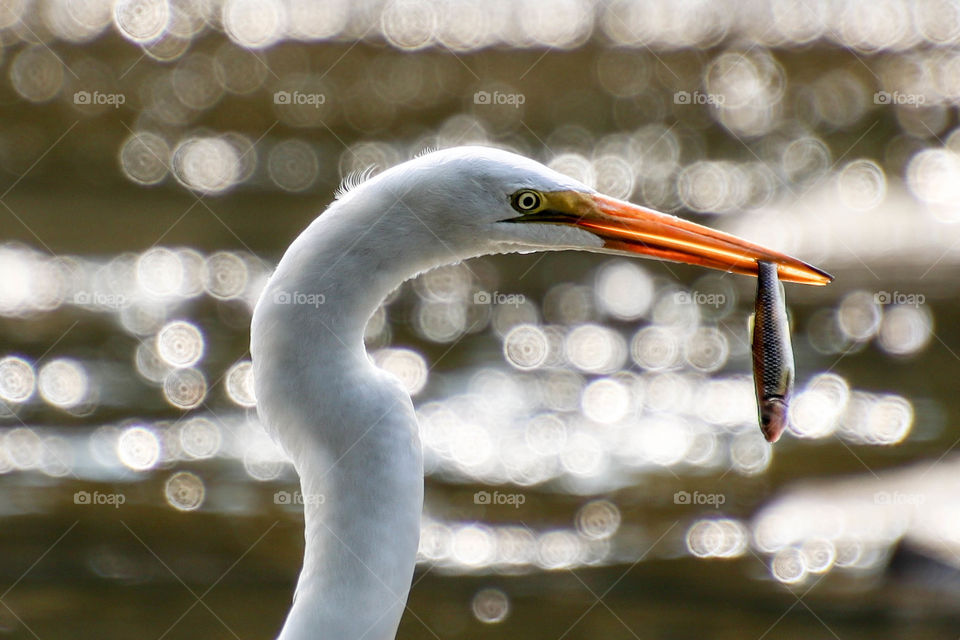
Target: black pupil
x,y
528,201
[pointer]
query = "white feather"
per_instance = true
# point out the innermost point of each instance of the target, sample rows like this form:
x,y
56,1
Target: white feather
x,y
349,427
353,180
426,151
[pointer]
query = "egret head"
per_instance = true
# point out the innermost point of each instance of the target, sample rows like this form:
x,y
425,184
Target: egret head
x,y
495,201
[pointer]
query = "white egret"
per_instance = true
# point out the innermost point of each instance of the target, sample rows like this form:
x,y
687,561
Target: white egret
x,y
349,427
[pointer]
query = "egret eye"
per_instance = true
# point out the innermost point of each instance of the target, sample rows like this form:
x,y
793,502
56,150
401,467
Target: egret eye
x,y
524,201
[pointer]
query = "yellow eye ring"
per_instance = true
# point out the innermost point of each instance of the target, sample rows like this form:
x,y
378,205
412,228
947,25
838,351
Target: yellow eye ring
x,y
526,201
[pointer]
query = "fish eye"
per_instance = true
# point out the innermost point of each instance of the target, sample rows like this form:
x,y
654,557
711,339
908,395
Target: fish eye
x,y
526,201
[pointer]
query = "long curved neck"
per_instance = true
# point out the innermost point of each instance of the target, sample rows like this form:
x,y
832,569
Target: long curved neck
x,y
349,427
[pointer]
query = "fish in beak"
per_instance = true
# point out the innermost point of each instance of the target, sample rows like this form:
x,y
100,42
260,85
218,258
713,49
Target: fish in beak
x,y
628,228
773,369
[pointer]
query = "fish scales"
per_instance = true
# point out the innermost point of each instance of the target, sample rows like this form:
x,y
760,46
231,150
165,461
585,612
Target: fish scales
x,y
773,367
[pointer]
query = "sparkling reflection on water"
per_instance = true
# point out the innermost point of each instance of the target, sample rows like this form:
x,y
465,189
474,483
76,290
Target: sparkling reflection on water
x,y
584,406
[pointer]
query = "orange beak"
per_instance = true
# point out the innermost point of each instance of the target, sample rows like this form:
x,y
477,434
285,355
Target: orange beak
x,y
629,228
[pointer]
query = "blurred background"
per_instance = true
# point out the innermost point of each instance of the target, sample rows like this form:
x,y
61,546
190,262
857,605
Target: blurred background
x,y
595,469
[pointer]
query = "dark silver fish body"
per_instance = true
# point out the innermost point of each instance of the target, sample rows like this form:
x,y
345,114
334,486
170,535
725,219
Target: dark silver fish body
x,y
773,370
